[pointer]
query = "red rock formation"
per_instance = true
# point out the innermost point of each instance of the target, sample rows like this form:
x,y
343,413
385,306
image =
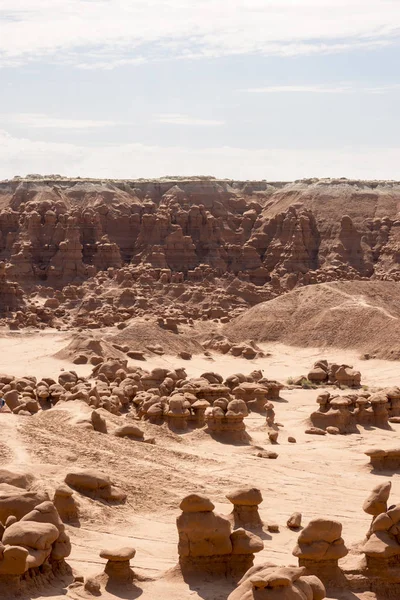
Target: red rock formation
x,y
245,242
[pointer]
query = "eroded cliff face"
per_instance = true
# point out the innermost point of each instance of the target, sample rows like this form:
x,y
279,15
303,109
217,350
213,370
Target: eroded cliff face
x,y
249,240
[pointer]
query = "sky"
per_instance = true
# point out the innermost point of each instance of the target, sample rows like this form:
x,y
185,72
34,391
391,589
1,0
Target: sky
x,y
241,89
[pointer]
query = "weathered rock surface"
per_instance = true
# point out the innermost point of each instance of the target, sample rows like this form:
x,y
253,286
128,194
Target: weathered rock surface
x,y
207,543
88,251
269,582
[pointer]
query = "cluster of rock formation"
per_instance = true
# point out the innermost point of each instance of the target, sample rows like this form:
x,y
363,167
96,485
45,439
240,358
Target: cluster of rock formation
x,y
342,414
335,374
33,540
390,397
320,546
221,344
34,543
245,242
207,543
158,396
207,546
384,459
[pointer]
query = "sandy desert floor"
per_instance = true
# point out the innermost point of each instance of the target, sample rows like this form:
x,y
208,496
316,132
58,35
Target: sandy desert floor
x,y
319,476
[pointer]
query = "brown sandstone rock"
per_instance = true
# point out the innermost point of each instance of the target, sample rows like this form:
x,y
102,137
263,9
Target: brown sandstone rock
x,y
294,521
207,544
376,503
245,511
269,582
94,484
18,502
118,567
319,547
65,504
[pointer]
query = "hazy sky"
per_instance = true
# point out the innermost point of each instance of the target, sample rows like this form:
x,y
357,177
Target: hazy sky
x,y
247,89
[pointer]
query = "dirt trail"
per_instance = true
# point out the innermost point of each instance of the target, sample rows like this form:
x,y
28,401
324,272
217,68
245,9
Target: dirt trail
x,y
355,302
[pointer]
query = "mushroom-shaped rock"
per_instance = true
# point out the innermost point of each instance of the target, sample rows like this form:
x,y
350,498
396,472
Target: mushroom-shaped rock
x,y
177,412
384,459
319,547
198,409
225,419
245,511
203,534
118,567
207,544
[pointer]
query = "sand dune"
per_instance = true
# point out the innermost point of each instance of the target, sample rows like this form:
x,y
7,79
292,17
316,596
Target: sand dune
x,y
362,315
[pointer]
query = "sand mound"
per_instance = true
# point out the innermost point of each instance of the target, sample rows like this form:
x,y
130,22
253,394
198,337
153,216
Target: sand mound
x,y
143,335
84,345
361,315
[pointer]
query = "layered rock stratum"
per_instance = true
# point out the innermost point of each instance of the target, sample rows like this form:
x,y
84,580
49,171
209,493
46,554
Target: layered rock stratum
x,y
200,248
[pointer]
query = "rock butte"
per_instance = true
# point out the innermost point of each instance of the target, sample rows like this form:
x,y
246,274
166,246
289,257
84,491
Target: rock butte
x,y
130,445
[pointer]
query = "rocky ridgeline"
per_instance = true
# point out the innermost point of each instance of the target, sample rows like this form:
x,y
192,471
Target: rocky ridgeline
x,y
343,414
115,249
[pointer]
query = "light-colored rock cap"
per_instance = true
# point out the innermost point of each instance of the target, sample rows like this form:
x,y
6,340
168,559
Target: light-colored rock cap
x,y
245,497
196,503
118,554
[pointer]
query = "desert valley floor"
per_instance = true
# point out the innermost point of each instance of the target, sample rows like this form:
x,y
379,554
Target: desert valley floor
x,y
326,476
198,375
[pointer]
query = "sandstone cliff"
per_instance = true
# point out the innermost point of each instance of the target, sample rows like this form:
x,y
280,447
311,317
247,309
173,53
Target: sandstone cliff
x,y
250,241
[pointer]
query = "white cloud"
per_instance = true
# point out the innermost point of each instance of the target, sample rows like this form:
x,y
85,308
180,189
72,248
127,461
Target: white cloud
x,y
109,63
40,121
341,88
19,156
66,30
178,119
300,89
